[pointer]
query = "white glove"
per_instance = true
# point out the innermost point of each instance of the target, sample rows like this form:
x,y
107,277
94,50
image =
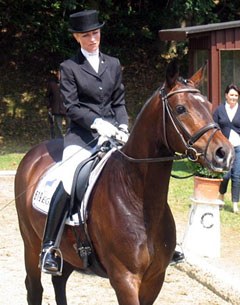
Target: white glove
x,y
123,133
122,136
104,128
124,128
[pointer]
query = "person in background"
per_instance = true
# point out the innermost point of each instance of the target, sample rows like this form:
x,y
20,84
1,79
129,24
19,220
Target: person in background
x,y
55,106
227,115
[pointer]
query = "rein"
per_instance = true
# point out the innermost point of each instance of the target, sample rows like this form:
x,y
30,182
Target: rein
x,y
153,160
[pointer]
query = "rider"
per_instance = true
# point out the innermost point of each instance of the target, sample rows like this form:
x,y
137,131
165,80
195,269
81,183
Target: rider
x,y
91,83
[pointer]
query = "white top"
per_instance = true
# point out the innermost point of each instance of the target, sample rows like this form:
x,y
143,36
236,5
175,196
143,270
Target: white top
x,y
234,137
93,58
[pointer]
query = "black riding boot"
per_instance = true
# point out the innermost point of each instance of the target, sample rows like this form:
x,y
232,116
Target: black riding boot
x,y
54,226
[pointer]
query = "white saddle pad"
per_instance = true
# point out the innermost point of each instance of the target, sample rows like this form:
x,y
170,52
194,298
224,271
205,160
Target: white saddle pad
x,y
49,182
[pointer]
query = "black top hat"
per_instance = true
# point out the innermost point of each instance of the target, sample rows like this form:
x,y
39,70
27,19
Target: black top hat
x,y
84,21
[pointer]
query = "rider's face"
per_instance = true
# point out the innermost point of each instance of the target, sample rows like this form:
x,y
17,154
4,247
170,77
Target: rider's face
x,y
89,41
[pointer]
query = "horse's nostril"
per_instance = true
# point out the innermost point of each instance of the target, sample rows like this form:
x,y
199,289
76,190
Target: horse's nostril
x,y
223,159
220,153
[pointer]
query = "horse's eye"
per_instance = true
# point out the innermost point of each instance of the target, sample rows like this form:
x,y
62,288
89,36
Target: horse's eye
x,y
180,109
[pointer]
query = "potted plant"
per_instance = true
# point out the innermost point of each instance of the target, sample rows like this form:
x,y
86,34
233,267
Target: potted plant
x,y
206,182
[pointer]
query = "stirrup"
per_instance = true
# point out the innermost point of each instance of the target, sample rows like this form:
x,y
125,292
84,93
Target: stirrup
x,y
43,259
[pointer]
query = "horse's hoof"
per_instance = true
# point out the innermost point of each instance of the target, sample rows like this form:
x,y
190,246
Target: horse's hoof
x,y
178,257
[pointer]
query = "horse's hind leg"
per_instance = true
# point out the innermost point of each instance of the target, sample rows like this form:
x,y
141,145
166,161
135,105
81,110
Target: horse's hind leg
x,y
59,284
33,278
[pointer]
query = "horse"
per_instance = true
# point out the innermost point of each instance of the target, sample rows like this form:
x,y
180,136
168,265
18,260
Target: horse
x,y
130,224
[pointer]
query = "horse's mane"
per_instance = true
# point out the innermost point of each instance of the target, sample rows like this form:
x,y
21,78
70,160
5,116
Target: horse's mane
x,y
149,100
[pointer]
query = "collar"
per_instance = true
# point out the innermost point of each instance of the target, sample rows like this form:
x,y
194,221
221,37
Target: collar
x,y
227,106
87,54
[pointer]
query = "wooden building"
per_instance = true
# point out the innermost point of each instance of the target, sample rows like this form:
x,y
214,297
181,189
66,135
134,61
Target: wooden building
x,y
219,44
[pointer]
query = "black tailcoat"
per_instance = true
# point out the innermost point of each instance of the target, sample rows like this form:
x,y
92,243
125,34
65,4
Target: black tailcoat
x,y
89,95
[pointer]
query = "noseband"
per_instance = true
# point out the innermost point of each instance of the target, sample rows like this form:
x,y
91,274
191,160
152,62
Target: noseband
x,y
190,152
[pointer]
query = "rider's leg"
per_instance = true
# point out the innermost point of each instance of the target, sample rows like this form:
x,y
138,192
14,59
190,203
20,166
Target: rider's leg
x,y
72,156
56,216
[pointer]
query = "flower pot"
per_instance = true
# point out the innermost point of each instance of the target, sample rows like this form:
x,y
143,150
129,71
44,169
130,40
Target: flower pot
x,y
206,189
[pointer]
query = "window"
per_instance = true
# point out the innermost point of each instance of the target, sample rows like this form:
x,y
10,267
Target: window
x,y
230,69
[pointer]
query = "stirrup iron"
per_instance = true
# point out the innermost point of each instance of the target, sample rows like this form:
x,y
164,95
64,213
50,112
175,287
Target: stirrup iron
x,y
59,256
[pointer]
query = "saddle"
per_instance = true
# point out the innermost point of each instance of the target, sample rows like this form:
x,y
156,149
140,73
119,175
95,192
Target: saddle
x,y
81,181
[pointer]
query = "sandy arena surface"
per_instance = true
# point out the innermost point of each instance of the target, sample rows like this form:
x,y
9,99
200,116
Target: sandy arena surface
x,y
178,288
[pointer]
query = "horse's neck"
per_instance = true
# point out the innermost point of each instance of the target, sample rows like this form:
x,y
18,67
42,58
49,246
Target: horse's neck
x,y
157,177
147,141
145,138
148,180
148,185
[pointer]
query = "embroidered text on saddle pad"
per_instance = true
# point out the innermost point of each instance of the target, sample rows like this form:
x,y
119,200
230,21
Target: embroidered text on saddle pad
x,y
49,182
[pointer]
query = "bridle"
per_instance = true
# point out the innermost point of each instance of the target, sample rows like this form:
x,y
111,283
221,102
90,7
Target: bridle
x,y
190,152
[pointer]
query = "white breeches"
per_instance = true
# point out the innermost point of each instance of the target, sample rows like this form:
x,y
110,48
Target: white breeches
x,y
73,155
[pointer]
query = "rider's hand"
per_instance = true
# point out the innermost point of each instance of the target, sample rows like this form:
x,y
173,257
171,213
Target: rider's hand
x,y
122,136
104,128
124,128
123,133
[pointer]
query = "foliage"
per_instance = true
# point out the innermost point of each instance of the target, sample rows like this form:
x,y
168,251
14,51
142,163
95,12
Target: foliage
x,y
40,28
193,12
201,171
197,12
35,39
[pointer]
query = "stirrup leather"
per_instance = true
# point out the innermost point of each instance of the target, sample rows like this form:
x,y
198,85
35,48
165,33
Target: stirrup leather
x,y
43,260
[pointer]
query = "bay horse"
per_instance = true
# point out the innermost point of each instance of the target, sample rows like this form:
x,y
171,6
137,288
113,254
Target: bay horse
x,y
130,224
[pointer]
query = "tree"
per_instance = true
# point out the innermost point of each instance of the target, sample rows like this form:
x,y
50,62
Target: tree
x,y
38,30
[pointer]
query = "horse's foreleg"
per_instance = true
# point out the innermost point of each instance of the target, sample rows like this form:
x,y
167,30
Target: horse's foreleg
x,y
132,290
150,289
126,287
59,284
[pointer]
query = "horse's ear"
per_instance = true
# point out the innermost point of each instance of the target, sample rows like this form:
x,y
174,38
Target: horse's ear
x,y
172,73
198,76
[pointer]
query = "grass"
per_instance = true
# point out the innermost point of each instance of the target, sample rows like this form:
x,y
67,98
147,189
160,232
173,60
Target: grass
x,y
180,190
11,154
10,161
